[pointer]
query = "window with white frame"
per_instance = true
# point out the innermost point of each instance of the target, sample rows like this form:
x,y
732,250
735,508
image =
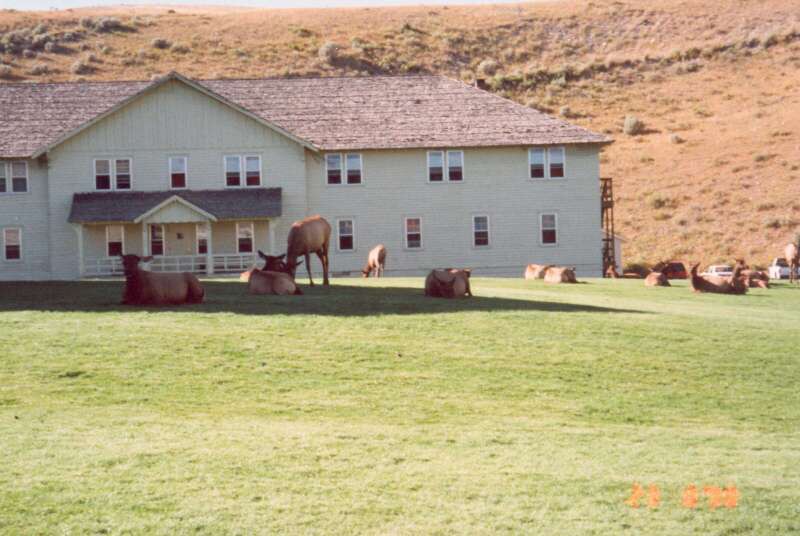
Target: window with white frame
x,y
413,228
333,168
480,231
178,169
455,165
546,163
19,177
118,168
233,171
12,244
252,169
156,239
435,166
346,235
3,178
201,234
115,240
548,225
245,237
353,165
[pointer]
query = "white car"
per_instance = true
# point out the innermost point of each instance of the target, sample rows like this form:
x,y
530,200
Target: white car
x,y
779,269
719,270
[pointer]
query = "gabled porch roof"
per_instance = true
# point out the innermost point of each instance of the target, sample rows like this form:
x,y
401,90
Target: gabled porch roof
x,y
211,205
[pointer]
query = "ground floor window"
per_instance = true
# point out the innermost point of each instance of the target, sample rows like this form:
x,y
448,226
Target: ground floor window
x,y
201,232
12,243
346,234
549,229
244,236
115,240
156,240
480,231
413,233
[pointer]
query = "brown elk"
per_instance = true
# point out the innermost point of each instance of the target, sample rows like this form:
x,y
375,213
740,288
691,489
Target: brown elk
x,y
657,279
611,272
448,283
555,274
376,262
149,288
792,254
310,235
720,285
272,263
536,271
267,282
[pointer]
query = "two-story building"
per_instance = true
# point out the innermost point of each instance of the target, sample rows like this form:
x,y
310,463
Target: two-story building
x,y
203,173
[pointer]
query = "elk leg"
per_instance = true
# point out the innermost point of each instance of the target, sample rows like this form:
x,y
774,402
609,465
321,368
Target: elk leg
x,y
308,267
325,264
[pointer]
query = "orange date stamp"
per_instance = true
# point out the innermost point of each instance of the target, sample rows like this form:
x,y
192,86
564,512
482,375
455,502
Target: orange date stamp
x,y
718,497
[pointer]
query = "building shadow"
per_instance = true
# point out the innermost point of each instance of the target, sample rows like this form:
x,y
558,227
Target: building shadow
x,y
232,297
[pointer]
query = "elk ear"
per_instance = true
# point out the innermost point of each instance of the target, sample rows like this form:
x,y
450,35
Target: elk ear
x,y
146,259
262,254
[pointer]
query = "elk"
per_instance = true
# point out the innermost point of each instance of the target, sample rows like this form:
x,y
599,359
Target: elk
x,y
448,283
719,285
536,271
792,254
376,262
557,274
148,288
310,235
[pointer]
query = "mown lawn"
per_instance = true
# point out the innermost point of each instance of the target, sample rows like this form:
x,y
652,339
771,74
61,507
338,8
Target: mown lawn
x,y
367,408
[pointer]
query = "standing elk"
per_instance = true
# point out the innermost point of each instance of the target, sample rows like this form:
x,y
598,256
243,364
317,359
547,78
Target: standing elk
x,y
149,288
310,235
792,254
376,262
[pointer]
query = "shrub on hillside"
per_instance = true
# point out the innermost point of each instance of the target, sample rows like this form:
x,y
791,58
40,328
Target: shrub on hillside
x,y
5,72
328,52
488,67
180,49
633,126
39,69
81,67
160,43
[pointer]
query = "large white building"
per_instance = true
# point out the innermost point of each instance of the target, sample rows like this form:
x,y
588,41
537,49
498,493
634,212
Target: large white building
x,y
203,173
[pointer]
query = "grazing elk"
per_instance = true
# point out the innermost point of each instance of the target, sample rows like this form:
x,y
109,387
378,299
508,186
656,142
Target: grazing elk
x,y
719,285
149,288
558,274
792,254
536,271
376,262
310,235
448,283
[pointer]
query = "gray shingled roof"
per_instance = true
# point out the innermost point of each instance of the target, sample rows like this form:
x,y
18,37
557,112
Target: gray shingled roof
x,y
233,204
337,113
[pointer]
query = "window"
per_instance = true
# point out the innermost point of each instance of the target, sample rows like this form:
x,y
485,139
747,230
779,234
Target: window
x,y
201,232
12,243
435,166
480,231
156,240
346,242
252,168
333,167
536,161
115,240
233,171
455,165
19,177
244,236
413,233
556,157
121,172
177,171
546,163
353,168
549,229
3,184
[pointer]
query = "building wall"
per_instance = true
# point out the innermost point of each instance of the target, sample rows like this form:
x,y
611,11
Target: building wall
x,y
496,184
28,211
172,120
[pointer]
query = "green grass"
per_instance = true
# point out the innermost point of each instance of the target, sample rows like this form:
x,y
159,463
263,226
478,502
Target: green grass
x,y
365,407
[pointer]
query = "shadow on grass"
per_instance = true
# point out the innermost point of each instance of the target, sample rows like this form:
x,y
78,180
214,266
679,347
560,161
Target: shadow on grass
x,y
232,297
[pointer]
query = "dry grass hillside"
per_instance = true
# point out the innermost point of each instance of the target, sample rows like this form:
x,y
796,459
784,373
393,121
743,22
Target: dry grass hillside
x,y
710,172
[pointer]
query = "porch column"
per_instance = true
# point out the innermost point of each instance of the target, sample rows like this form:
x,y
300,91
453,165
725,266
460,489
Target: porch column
x,y
145,241
210,251
271,231
79,231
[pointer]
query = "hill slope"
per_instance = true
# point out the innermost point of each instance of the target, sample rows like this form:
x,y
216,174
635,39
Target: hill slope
x,y
714,174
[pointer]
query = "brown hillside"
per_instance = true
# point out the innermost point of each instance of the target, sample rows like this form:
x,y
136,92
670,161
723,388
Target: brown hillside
x,y
714,174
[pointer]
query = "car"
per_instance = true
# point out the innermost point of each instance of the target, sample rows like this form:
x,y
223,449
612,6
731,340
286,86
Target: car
x,y
719,270
779,269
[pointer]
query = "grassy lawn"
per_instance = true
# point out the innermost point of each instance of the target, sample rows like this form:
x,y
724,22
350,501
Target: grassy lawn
x,y
365,407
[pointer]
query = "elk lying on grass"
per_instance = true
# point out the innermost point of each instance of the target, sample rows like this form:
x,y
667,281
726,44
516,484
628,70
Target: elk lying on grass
x,y
265,282
536,271
656,279
448,283
148,288
376,262
557,274
719,285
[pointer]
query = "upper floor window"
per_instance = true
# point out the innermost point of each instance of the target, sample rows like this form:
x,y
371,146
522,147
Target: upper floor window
x,y
413,233
480,231
12,243
439,161
235,165
435,166
18,172
3,179
201,232
115,240
178,166
339,166
117,169
346,233
455,165
546,163
245,237
549,229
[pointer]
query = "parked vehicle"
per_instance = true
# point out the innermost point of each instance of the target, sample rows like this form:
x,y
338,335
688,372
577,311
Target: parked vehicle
x,y
779,269
718,270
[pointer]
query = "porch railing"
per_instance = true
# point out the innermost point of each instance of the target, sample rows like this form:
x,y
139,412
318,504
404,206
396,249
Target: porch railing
x,y
222,263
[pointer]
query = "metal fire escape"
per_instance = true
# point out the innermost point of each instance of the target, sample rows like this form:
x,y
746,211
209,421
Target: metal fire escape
x,y
607,219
